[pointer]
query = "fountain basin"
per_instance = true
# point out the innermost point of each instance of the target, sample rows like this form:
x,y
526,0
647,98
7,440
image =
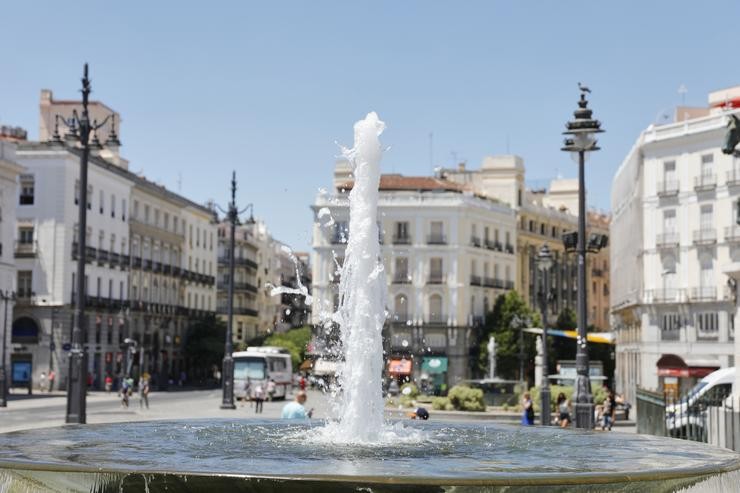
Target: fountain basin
x,y
250,455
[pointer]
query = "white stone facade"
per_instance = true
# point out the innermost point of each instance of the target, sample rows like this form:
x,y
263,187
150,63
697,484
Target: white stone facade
x,y
673,230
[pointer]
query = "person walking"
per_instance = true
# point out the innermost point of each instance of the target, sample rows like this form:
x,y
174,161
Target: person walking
x,y
259,397
247,390
296,409
108,383
42,381
271,390
125,389
563,410
610,407
143,393
528,406
52,375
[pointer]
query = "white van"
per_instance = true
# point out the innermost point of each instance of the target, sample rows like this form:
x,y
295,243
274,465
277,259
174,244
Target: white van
x,y
260,364
716,386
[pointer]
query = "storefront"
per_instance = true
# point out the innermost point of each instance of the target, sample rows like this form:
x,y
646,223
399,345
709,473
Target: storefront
x,y
677,376
400,369
434,374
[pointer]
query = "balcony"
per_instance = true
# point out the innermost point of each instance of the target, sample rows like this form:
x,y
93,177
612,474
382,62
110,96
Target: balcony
x,y
156,267
707,236
400,318
436,239
494,245
401,278
475,280
147,264
498,283
114,259
401,240
437,319
475,241
733,178
176,271
125,261
166,269
670,239
103,257
668,295
509,248
732,234
597,273
705,182
670,335
509,284
667,188
237,310
436,278
704,293
136,262
26,249
489,282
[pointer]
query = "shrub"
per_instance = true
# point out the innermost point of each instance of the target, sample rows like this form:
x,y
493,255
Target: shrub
x,y
407,401
410,390
463,398
440,403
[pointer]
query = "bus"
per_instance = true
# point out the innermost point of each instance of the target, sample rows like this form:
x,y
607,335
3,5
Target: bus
x,y
260,364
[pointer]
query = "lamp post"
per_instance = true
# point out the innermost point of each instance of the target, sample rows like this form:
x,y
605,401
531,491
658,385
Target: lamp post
x,y
76,388
581,140
227,373
544,263
6,297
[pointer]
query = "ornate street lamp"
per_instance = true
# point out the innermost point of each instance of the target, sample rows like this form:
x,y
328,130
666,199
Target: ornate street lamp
x,y
6,297
581,141
544,263
227,373
80,130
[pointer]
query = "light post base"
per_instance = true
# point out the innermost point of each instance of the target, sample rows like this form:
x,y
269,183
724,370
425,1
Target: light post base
x,y
545,400
77,387
3,388
227,379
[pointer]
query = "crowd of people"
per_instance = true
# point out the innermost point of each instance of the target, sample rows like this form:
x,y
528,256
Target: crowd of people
x,y
604,414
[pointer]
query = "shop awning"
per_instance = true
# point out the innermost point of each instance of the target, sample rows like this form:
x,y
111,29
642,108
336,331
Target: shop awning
x,y
434,364
324,367
399,367
671,365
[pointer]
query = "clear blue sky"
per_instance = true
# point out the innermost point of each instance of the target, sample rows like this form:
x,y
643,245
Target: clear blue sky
x,y
267,89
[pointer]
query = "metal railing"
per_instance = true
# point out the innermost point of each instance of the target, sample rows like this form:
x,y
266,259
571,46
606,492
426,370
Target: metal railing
x,y
436,319
436,239
26,249
401,240
705,182
401,278
475,241
667,295
436,278
667,188
705,236
703,293
475,280
668,239
732,233
733,178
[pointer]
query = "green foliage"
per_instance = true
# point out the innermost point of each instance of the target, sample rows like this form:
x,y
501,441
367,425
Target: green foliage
x,y
294,340
442,404
204,344
599,392
412,392
499,324
406,401
463,398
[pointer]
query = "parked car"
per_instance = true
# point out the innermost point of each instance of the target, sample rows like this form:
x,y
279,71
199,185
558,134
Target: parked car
x,y
688,414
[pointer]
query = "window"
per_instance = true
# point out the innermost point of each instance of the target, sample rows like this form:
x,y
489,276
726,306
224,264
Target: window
x,y
89,197
197,237
669,221
402,230
77,192
102,202
707,321
98,292
166,221
341,232
706,219
402,269
156,217
671,322
435,309
437,229
146,214
707,165
401,308
25,235
110,288
669,171
27,190
25,283
123,210
112,206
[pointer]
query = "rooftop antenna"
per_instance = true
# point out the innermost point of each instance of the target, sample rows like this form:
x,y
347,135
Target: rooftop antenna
x,y
682,90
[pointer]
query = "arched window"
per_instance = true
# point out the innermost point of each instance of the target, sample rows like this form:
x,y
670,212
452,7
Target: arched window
x,y
435,309
25,331
401,309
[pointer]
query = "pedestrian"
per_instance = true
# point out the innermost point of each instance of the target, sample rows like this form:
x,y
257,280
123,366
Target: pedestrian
x,y
528,406
108,383
124,393
247,390
42,381
271,389
259,397
296,409
563,410
52,375
143,392
610,407
302,383
419,413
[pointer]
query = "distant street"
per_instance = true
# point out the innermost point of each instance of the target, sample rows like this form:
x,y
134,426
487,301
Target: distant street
x,y
42,410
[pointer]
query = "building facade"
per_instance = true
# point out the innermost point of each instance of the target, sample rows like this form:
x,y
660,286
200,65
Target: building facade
x,y
442,277
674,202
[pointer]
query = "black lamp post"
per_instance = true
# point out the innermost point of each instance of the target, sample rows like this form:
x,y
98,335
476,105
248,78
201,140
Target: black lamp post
x,y
581,141
6,297
77,379
227,373
544,263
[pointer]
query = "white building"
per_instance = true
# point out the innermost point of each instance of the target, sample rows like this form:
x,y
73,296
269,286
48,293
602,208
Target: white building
x,y
9,171
673,230
440,283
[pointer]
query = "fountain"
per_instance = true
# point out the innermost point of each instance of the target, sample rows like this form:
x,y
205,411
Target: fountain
x,y
357,450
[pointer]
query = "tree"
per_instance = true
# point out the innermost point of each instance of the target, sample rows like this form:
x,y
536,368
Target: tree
x,y
295,340
204,344
499,324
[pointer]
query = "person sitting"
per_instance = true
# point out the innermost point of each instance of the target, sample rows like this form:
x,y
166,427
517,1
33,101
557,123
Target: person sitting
x,y
419,413
295,409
